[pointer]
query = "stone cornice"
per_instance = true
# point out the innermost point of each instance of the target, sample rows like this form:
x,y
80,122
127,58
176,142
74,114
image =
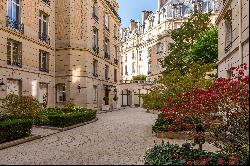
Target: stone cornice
x,y
223,11
116,17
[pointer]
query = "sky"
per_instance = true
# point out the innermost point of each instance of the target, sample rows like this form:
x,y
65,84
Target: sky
x,y
131,9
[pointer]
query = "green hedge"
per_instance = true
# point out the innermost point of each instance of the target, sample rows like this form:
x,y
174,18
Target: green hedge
x,y
167,154
12,129
64,117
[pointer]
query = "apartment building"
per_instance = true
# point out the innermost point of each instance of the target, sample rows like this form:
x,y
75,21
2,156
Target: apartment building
x,y
27,49
233,40
145,43
87,52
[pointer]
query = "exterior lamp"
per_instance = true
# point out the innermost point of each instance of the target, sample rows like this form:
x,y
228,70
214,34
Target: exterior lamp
x,y
79,88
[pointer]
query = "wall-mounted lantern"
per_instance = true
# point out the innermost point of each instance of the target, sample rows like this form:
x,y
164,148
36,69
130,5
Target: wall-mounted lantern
x,y
79,88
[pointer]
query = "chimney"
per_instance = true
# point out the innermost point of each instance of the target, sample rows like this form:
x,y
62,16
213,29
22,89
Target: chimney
x,y
145,15
133,25
161,3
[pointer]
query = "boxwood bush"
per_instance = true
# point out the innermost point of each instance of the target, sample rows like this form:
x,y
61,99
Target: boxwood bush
x,y
64,117
167,154
12,129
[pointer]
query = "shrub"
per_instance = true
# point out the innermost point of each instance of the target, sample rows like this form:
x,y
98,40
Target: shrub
x,y
139,78
21,106
63,117
167,154
12,129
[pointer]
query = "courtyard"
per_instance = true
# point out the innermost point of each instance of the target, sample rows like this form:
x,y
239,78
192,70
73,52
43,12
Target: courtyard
x,y
119,137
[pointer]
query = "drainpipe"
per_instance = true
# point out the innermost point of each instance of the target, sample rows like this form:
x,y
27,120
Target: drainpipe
x,y
240,31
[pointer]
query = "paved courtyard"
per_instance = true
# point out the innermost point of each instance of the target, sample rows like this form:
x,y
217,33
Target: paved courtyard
x,y
119,137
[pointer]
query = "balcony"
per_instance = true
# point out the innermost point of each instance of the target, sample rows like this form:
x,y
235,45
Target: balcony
x,y
17,62
95,74
44,37
46,2
96,49
95,16
116,61
106,55
44,70
14,24
228,47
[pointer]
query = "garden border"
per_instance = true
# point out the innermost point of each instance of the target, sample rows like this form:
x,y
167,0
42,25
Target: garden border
x,y
19,141
66,128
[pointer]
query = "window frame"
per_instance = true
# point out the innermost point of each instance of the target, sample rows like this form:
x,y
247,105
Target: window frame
x,y
10,57
41,67
63,93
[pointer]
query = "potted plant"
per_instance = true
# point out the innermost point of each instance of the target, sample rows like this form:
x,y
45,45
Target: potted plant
x,y
105,107
115,98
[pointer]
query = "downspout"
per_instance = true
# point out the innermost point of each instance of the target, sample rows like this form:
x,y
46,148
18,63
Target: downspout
x,y
240,31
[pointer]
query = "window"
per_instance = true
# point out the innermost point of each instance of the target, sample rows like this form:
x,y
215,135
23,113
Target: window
x,y
133,55
116,55
60,93
106,48
14,87
95,40
149,68
126,58
159,48
14,53
115,32
95,8
115,75
106,21
43,93
126,70
106,72
133,67
95,92
140,56
14,15
43,61
149,52
228,31
43,27
95,66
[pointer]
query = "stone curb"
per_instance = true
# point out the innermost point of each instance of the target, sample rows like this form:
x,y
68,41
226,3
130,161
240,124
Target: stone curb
x,y
103,112
66,128
19,141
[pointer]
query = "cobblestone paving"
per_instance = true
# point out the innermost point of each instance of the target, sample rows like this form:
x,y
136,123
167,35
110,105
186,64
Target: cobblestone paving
x,y
119,137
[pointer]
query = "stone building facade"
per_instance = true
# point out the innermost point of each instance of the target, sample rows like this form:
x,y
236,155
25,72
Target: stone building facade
x,y
27,49
233,30
145,43
87,52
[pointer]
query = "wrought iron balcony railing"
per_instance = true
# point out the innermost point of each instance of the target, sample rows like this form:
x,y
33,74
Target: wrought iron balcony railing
x,y
116,61
14,24
44,37
95,74
228,47
17,62
106,55
46,1
96,49
44,69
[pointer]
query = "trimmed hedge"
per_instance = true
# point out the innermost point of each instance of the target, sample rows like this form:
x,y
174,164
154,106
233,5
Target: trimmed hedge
x,y
167,154
12,129
64,117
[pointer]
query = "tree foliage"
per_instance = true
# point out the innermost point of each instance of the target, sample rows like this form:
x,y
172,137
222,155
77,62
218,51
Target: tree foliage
x,y
184,38
205,48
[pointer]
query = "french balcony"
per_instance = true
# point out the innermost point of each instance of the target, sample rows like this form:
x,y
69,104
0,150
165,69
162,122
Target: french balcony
x,y
95,16
96,49
17,63
14,24
44,70
106,55
228,47
95,74
44,37
116,61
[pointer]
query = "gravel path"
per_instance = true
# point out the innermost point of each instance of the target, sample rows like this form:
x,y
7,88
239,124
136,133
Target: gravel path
x,y
119,137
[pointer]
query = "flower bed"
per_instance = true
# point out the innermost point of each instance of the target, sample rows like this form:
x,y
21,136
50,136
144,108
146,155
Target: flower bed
x,y
12,129
167,154
64,117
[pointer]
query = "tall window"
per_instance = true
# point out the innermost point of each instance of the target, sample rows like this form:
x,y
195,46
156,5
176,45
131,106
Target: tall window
x,y
14,87
133,67
95,8
95,39
106,72
115,31
14,10
14,53
140,56
126,70
43,61
95,92
60,93
95,66
43,27
115,75
106,21
159,48
106,48
228,31
43,93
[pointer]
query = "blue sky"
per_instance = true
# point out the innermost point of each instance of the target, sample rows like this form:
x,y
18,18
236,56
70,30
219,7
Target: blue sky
x,y
131,9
